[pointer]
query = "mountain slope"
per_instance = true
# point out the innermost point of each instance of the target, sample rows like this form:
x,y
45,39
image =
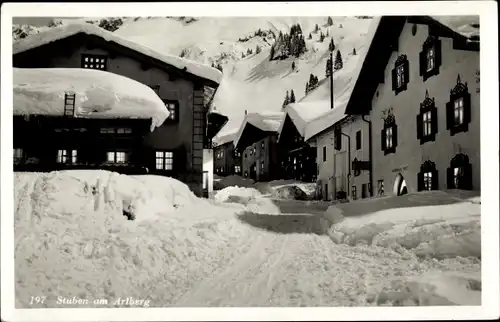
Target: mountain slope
x,y
252,83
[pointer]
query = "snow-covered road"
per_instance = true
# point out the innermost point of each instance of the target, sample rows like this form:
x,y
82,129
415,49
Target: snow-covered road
x,y
72,240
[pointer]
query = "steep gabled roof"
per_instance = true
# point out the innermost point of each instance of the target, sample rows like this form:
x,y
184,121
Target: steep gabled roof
x,y
266,122
464,30
303,112
207,73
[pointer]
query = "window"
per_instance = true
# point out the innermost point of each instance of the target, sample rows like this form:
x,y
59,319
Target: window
x,y
262,145
246,174
458,109
123,130
353,193
18,155
430,58
251,151
237,169
237,154
380,187
66,156
389,135
107,130
294,164
164,160
94,62
262,165
428,176
245,156
173,109
324,154
427,120
254,150
116,157
364,190
400,74
459,174
358,140
337,137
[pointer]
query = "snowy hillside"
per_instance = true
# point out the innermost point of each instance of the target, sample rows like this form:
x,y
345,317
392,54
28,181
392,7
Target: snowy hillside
x,y
252,83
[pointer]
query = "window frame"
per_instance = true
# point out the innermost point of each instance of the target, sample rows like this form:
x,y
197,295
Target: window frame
x,y
172,118
431,44
459,93
18,159
424,123
460,162
94,56
68,156
401,71
164,156
428,177
389,125
358,140
324,153
354,192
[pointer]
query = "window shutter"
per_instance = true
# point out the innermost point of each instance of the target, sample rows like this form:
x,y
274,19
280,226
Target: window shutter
x,y
394,79
422,59
437,53
467,108
434,121
394,135
467,178
449,178
406,66
338,139
435,180
449,115
419,126
383,137
420,181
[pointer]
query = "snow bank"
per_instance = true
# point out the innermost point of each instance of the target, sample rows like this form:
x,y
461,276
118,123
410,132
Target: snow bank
x,y
72,238
99,94
65,31
430,224
285,189
232,180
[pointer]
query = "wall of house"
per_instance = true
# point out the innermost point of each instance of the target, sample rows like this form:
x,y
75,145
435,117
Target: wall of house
x,y
208,166
267,154
326,168
228,160
410,154
177,136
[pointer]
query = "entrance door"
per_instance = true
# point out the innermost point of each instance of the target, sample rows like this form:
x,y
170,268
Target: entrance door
x,y
400,185
205,184
253,172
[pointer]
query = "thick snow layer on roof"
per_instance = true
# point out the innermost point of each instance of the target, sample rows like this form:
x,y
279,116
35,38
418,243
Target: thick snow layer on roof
x,y
65,31
98,94
265,121
303,112
226,137
467,26
343,84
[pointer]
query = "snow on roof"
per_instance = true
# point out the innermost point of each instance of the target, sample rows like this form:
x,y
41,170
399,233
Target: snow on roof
x,y
467,26
341,99
98,94
302,112
265,121
65,31
225,138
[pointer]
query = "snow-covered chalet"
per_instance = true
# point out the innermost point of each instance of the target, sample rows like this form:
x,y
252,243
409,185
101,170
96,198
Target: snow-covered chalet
x,y
180,147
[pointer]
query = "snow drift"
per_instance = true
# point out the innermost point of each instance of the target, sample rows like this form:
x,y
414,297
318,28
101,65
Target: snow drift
x,y
98,94
433,224
250,199
232,180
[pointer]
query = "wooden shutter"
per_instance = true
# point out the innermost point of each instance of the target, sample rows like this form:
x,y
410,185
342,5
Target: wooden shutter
x,y
422,61
420,181
449,115
435,180
394,79
383,137
394,135
406,66
449,178
467,178
467,108
434,121
437,53
419,126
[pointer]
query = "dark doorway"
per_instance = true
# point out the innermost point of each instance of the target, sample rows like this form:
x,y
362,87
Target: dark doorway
x,y
400,188
253,172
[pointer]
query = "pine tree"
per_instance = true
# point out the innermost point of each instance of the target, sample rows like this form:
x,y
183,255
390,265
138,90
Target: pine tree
x,y
272,52
330,21
292,97
299,29
338,61
327,33
310,36
316,28
242,55
354,51
321,37
293,65
340,26
258,49
287,100
328,70
331,47
307,88
219,67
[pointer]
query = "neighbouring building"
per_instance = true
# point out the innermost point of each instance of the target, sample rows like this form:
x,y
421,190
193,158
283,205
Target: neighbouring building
x,y
420,85
257,141
298,158
227,158
181,147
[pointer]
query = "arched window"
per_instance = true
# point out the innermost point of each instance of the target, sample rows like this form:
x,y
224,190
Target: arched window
x,y
459,174
428,176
